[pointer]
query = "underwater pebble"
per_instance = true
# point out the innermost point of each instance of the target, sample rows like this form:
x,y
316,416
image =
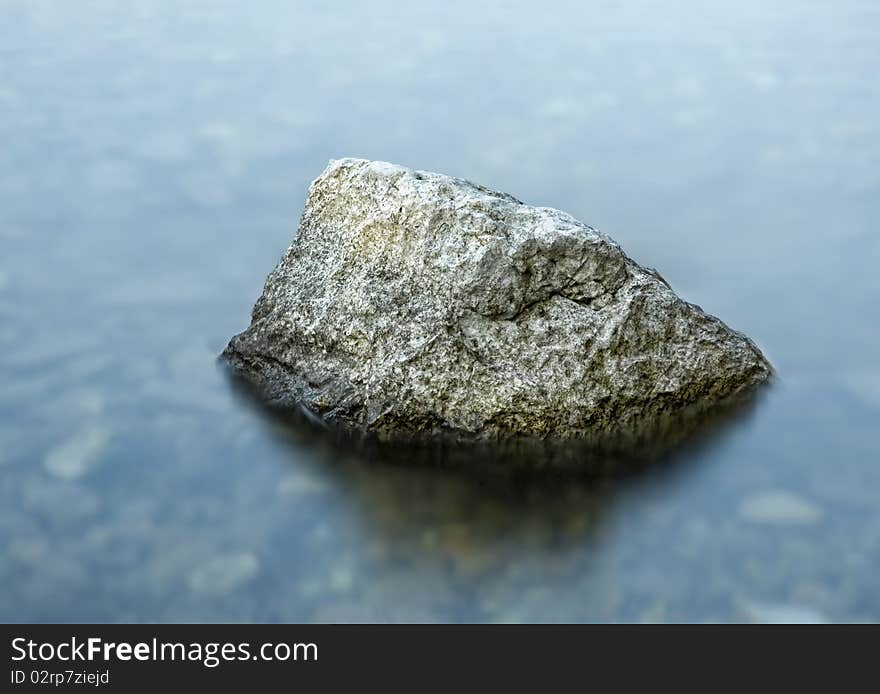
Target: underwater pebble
x,y
78,454
301,485
779,507
341,579
224,573
771,613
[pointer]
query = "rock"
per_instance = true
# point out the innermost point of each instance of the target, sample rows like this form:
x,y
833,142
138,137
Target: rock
x,y
411,302
779,508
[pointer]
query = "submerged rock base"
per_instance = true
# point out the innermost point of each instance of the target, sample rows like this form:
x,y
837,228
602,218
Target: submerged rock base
x,y
526,462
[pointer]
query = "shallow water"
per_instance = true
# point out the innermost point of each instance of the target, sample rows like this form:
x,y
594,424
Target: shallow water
x,y
154,163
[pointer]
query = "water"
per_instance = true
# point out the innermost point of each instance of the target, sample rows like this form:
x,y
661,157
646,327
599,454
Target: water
x,y
155,160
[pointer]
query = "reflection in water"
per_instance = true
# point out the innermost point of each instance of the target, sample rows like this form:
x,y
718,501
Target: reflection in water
x,y
495,493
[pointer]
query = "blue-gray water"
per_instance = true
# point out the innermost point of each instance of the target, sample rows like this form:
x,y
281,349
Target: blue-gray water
x,y
154,159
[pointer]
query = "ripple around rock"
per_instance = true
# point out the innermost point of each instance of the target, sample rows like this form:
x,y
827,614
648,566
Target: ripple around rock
x,y
779,508
411,302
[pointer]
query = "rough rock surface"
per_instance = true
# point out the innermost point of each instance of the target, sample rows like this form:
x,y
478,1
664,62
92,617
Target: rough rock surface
x,y
412,302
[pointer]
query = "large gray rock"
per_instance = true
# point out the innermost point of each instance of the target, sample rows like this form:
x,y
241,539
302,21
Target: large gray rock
x,y
411,302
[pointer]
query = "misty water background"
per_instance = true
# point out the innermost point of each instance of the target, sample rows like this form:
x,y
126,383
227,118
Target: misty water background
x,y
154,162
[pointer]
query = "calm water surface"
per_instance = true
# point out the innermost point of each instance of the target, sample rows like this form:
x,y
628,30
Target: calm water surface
x,y
154,161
